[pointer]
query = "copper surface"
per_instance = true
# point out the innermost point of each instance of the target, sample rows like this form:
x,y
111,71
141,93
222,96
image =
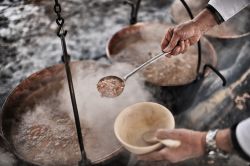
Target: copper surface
x,y
235,27
41,86
158,72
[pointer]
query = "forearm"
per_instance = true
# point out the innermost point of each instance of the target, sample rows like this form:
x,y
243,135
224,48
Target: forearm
x,y
205,20
224,141
235,139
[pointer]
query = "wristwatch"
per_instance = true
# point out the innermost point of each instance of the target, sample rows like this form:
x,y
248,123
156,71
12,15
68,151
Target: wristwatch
x,y
211,148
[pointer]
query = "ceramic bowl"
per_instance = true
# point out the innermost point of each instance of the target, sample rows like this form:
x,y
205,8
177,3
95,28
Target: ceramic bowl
x,y
135,120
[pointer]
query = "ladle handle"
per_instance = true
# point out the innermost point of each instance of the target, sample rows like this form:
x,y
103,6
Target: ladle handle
x,y
170,143
144,64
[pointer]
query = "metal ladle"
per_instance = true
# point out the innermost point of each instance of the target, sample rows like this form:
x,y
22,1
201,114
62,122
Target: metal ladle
x,y
118,88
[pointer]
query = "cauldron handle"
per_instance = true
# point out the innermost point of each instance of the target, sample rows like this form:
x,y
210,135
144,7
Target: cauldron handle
x,y
224,82
134,10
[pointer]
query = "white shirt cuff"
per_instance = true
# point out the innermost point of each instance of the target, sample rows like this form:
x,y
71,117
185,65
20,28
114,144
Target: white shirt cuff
x,y
228,8
243,135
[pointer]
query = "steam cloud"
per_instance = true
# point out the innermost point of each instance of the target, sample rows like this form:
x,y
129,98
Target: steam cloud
x,y
6,159
95,109
46,123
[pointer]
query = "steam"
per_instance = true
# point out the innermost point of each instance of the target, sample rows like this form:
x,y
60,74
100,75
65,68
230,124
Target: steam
x,y
46,134
97,110
6,159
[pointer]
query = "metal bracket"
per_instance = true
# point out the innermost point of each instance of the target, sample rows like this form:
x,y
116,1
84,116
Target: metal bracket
x,y
134,10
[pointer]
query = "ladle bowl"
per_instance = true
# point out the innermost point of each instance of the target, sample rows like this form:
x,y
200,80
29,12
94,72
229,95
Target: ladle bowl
x,y
111,86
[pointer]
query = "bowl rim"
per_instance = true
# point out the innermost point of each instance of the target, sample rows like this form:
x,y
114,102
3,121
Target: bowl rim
x,y
138,147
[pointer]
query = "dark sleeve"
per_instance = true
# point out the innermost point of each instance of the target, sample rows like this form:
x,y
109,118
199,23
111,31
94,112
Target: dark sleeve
x,y
217,16
236,145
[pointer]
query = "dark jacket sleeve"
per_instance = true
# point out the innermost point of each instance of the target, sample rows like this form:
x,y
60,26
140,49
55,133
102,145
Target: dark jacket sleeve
x,y
240,135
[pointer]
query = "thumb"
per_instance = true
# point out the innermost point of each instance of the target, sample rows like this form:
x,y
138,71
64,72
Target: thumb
x,y
166,134
172,43
167,38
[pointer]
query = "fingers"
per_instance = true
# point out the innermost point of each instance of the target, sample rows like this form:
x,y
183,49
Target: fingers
x,y
170,134
187,45
172,43
192,146
176,50
166,39
178,39
163,134
180,48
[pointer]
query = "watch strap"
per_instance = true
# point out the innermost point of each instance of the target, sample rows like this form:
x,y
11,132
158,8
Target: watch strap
x,y
211,148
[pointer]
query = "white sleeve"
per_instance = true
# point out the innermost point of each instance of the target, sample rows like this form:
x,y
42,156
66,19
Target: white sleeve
x,y
228,8
243,135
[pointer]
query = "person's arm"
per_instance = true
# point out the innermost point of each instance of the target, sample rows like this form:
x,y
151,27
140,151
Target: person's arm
x,y
178,39
193,145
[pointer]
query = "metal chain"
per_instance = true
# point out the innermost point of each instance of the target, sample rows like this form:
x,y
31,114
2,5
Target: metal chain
x,y
59,20
61,33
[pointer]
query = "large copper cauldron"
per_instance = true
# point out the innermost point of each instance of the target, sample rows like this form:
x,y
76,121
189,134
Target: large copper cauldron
x,y
137,43
30,143
238,26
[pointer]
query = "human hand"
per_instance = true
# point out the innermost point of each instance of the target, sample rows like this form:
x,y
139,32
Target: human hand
x,y
192,146
178,39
